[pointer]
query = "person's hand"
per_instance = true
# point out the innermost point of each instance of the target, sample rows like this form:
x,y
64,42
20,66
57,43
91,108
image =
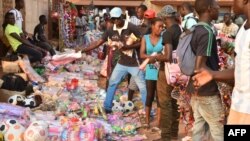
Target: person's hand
x,y
202,77
152,60
170,60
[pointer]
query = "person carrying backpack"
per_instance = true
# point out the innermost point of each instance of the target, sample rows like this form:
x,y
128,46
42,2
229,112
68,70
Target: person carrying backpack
x,y
205,101
239,110
187,12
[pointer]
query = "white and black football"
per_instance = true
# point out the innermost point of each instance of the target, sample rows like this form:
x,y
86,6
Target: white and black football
x,y
15,99
128,106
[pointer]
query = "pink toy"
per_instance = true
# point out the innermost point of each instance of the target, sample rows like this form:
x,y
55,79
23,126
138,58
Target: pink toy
x,y
65,58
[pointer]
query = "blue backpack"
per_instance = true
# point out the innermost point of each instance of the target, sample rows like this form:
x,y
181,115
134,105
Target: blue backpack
x,y
186,56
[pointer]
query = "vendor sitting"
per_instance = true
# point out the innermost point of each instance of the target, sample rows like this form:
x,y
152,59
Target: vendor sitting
x,y
40,38
18,43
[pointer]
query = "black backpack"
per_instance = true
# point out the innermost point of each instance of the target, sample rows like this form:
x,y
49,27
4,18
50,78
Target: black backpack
x,y
14,82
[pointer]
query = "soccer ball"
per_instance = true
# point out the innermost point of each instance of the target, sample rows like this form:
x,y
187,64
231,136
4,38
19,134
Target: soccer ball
x,y
12,130
117,106
15,99
30,102
128,106
37,131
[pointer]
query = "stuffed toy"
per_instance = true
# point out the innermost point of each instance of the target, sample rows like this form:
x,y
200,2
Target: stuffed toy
x,y
12,130
31,101
37,131
16,100
117,106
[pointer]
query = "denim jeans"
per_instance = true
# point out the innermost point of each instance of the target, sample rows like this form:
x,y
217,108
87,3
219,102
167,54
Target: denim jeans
x,y
208,110
117,75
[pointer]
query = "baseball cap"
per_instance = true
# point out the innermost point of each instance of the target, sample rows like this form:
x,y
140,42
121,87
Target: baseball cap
x,y
167,11
116,12
149,14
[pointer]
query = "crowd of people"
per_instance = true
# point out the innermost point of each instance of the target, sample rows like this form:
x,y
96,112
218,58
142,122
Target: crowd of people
x,y
160,35
35,47
142,34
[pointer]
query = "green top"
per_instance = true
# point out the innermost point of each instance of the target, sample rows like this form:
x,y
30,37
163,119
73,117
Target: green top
x,y
13,42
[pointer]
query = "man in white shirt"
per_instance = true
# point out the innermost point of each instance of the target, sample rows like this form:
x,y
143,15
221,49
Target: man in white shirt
x,y
18,15
228,28
187,12
240,107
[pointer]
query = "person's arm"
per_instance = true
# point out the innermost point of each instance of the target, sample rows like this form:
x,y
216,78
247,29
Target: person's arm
x,y
167,56
93,45
167,41
143,54
203,76
24,41
133,46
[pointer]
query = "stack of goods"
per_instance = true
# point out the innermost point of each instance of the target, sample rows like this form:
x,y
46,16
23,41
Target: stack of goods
x,y
68,106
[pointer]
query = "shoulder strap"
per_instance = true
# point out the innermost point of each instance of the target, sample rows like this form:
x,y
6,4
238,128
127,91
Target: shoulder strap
x,y
191,17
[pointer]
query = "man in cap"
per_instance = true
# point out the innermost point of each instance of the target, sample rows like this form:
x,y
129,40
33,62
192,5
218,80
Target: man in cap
x,y
128,62
169,117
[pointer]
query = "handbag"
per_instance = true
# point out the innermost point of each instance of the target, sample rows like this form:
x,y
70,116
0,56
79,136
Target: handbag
x,y
174,76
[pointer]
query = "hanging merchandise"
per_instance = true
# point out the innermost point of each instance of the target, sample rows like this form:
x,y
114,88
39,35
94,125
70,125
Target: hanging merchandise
x,y
68,14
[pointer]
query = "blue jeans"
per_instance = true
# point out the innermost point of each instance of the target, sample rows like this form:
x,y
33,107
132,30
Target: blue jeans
x,y
117,75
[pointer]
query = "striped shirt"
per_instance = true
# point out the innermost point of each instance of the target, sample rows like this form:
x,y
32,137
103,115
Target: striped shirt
x,y
241,92
134,20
